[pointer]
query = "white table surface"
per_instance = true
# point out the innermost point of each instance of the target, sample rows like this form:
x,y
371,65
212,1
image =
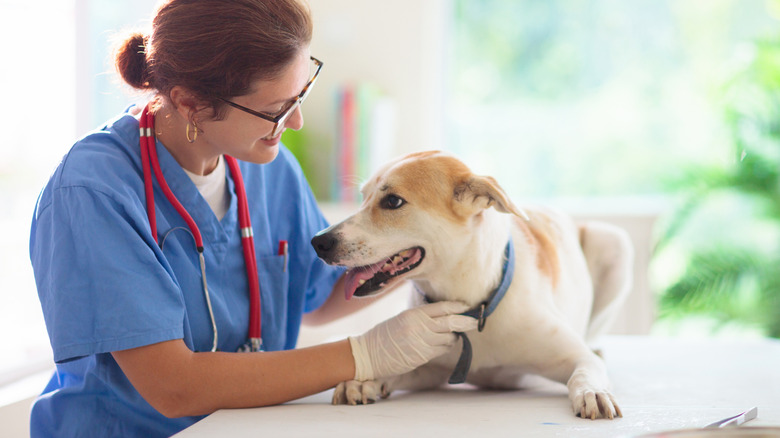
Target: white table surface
x,y
661,384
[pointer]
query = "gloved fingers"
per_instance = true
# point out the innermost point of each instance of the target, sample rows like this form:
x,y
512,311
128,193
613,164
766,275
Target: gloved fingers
x,y
461,323
443,308
442,340
447,343
452,323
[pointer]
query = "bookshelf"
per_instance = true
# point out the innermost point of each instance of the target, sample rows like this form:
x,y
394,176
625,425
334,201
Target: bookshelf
x,y
387,59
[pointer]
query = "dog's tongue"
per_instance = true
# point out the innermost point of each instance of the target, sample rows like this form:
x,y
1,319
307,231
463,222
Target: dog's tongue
x,y
353,277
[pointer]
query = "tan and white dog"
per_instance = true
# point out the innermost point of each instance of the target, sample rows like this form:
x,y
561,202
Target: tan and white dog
x,y
427,218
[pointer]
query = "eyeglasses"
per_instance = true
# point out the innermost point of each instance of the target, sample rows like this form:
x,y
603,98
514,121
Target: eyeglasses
x,y
280,118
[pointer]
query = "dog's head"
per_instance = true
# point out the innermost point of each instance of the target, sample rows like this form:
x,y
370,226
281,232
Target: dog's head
x,y
417,211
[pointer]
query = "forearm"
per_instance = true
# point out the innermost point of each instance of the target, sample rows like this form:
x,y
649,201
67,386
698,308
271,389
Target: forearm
x,y
178,382
336,306
277,377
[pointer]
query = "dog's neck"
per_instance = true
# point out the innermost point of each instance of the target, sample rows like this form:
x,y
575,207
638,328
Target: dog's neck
x,y
472,269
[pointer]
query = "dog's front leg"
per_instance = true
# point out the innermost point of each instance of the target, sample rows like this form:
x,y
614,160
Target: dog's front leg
x,y
571,362
589,390
355,392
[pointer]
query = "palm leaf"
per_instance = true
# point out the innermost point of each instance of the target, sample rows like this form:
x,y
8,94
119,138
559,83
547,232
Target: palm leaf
x,y
718,281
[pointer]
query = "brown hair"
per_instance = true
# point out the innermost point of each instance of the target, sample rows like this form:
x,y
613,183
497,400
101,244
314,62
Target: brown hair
x,y
214,48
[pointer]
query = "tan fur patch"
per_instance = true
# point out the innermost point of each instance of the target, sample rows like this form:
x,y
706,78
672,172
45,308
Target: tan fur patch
x,y
541,235
425,179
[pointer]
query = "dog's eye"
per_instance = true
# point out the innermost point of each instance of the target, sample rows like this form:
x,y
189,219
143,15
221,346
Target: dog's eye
x,y
392,202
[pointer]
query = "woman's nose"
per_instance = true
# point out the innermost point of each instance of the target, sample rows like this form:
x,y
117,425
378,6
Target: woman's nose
x,y
295,122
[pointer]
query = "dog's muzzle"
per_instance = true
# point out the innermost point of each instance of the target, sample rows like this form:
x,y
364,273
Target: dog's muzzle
x,y
325,244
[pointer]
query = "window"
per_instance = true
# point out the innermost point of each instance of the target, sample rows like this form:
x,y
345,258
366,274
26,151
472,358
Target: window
x,y
617,99
55,89
39,103
594,98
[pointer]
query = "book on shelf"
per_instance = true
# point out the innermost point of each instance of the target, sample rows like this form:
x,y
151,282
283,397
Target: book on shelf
x,y
365,136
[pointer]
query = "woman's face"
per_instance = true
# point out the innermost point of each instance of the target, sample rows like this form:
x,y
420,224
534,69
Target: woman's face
x,y
248,137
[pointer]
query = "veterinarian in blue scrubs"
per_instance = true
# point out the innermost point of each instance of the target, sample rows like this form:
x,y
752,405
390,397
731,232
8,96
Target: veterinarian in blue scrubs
x,y
164,234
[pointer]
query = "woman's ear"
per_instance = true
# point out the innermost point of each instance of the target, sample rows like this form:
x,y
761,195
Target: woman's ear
x,y
185,103
480,192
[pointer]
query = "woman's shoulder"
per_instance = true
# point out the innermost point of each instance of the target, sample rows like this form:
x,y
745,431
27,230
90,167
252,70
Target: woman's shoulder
x,y
105,160
104,154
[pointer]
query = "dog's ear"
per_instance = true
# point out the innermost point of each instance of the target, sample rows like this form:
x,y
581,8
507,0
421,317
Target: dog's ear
x,y
480,192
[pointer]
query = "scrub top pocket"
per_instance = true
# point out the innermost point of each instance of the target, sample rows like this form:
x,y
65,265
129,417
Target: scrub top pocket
x,y
274,284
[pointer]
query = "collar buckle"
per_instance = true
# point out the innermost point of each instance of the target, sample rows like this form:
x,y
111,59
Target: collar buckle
x,y
482,317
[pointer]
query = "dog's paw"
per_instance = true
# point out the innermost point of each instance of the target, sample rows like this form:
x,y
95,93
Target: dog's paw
x,y
593,404
353,392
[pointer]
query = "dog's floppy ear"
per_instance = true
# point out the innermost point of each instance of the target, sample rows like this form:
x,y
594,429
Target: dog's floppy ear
x,y
480,192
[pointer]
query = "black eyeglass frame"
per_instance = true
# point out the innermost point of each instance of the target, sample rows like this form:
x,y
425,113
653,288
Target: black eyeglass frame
x,y
280,118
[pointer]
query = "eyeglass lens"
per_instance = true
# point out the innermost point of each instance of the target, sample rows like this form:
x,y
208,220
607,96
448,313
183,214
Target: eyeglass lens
x,y
298,101
280,124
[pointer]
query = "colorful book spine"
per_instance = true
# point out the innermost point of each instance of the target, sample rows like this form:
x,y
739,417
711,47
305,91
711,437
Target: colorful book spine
x,y
365,125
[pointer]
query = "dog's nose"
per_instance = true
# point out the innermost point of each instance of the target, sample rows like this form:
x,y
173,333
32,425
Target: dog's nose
x,y
324,244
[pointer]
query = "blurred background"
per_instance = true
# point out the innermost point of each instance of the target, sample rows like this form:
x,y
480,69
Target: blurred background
x,y
659,115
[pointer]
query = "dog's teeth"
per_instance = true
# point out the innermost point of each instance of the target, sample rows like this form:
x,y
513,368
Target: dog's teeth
x,y
397,260
387,265
406,253
361,282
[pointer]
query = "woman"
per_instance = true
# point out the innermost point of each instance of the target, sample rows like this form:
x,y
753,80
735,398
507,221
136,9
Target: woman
x,y
145,308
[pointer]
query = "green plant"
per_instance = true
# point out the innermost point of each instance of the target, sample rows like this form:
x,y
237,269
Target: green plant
x,y
728,227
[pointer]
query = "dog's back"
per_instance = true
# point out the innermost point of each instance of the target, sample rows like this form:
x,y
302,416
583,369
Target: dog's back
x,y
588,265
554,239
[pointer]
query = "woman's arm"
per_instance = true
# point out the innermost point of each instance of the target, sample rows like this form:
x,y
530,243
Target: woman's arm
x,y
178,382
337,306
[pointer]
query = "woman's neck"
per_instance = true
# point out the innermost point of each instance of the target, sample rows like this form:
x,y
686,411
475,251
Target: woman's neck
x,y
170,128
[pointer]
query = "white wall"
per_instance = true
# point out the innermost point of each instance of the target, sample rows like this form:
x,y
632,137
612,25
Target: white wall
x,y
398,46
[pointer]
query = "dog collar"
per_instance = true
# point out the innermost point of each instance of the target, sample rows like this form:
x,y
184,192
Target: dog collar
x,y
482,312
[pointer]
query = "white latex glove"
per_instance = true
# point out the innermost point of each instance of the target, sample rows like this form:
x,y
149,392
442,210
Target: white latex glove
x,y
408,340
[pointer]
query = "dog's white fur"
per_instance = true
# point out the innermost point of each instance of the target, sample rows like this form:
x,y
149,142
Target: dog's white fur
x,y
569,281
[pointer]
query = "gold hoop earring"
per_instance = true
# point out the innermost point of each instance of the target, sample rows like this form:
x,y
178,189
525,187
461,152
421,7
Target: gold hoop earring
x,y
194,134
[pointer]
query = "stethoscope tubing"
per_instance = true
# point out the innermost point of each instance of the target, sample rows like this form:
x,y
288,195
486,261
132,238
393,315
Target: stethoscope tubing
x,y
151,165
152,153
248,245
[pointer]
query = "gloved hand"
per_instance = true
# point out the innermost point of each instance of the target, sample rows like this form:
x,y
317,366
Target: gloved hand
x,y
408,340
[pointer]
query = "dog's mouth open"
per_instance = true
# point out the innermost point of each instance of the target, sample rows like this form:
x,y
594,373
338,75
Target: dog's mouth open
x,y
364,280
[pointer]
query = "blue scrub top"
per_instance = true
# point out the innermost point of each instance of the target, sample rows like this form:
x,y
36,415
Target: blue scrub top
x,y
105,285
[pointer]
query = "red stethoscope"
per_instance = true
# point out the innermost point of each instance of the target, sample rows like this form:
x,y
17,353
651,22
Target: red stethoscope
x,y
150,163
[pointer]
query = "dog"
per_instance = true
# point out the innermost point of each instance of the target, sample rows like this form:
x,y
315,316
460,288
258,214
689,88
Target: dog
x,y
427,218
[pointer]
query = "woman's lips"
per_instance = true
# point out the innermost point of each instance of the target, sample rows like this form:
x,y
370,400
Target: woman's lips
x,y
273,141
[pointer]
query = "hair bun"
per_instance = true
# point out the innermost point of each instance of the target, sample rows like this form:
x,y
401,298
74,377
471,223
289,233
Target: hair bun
x,y
130,61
